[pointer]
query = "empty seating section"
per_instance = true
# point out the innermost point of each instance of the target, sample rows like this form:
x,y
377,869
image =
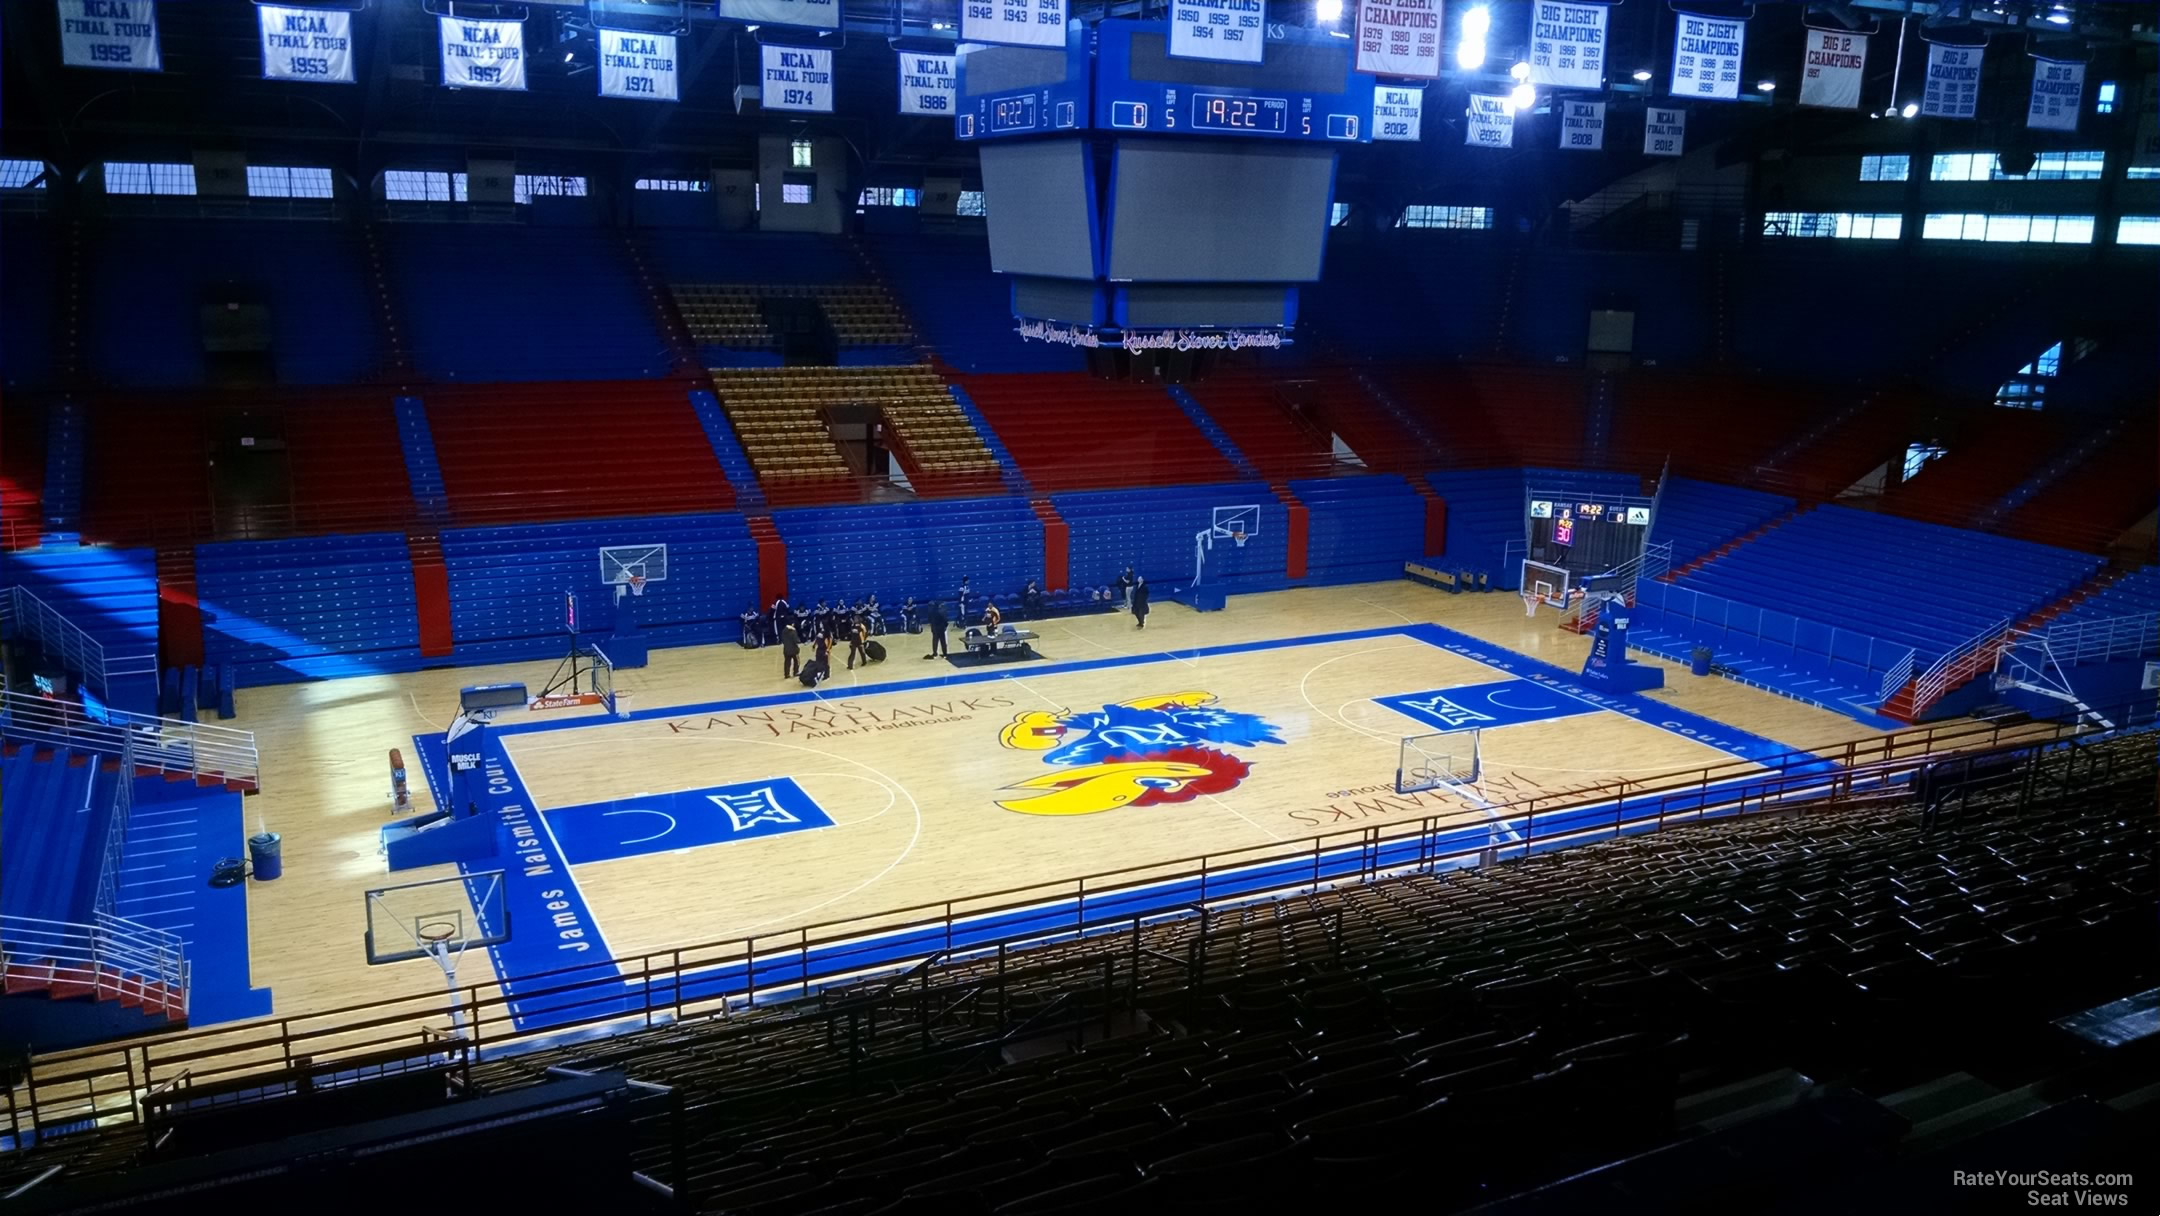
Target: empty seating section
x,y
1713,427
1996,450
494,302
1360,528
849,552
147,471
1756,995
507,584
53,837
1696,517
348,470
1485,416
722,315
864,315
1347,407
22,473
1152,531
573,450
281,611
110,594
2134,594
1073,432
1914,584
148,282
30,302
1840,448
779,416
963,308
943,452
1487,511
2089,505
1255,412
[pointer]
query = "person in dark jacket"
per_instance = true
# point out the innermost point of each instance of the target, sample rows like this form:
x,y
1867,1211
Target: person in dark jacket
x,y
1124,588
858,632
1031,599
753,628
1139,602
790,651
937,629
910,614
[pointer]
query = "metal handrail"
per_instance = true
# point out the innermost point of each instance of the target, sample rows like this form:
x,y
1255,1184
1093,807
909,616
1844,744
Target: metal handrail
x,y
167,745
1895,678
1654,560
73,645
1960,663
113,955
2104,639
108,888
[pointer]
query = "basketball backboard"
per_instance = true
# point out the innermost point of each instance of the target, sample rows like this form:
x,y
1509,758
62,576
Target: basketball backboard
x,y
1241,521
424,919
619,564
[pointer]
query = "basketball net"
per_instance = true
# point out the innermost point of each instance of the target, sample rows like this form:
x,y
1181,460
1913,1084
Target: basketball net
x,y
635,585
1239,537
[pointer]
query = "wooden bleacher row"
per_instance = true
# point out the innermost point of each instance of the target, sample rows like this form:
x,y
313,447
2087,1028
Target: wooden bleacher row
x,y
727,314
776,413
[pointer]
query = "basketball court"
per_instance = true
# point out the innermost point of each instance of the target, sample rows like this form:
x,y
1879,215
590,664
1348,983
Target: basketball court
x,y
730,804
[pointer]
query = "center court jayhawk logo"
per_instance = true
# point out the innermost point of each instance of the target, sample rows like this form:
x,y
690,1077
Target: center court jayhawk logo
x,y
1147,752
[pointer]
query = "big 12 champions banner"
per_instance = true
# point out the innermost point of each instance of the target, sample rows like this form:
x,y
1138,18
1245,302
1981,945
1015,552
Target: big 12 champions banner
x,y
482,54
1398,38
1831,71
927,83
2058,89
1953,81
119,34
313,44
638,65
1567,44
1229,30
1706,56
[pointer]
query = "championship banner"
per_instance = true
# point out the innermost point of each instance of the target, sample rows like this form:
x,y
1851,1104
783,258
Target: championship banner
x,y
1832,68
1706,57
1582,125
928,83
120,34
1398,112
796,78
1398,38
1664,131
1492,122
1953,81
1567,44
638,65
2058,90
313,44
1013,22
810,14
1229,30
482,54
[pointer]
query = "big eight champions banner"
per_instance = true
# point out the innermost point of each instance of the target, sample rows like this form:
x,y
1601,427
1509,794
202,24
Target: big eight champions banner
x,y
1399,38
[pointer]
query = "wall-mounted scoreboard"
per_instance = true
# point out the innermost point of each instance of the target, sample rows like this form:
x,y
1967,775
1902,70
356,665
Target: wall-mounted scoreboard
x,y
1022,90
1304,87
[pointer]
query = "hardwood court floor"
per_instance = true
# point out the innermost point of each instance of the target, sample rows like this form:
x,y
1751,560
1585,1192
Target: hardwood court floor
x,y
916,809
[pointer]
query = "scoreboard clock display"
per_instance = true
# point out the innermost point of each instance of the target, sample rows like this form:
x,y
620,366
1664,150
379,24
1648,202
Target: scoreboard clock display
x,y
1014,90
1304,88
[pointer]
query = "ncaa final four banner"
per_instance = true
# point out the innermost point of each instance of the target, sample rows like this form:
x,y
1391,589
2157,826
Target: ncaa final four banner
x,y
1664,131
1397,112
1567,45
2058,89
809,14
1582,125
796,78
1953,81
116,34
482,54
1706,56
928,83
1013,22
1399,38
1228,30
637,65
1492,122
310,44
1831,69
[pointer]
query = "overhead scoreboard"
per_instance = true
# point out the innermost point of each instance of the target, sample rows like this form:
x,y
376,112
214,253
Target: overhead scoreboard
x,y
1305,87
1008,91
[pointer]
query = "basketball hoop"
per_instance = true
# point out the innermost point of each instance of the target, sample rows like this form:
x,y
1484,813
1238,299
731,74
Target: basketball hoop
x,y
636,583
1238,535
1530,602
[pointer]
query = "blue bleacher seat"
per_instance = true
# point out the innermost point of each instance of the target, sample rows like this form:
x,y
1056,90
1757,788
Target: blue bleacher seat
x,y
279,611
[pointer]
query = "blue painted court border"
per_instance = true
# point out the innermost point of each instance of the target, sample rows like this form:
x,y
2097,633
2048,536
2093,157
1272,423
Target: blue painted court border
x,y
608,992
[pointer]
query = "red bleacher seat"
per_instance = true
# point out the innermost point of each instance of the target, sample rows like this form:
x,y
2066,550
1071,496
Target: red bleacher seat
x,y
1250,409
1994,451
348,471
22,473
578,450
1073,432
2090,505
147,471
1716,428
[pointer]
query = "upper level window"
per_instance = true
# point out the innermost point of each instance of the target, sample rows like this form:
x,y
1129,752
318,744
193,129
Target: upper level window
x,y
281,181
1420,215
971,203
1845,225
135,177
799,155
22,174
1893,168
664,184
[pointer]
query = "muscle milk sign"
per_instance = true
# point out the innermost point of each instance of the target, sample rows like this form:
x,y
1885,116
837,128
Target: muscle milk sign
x,y
638,65
1567,45
1399,38
482,54
796,78
1492,122
1397,112
927,84
1953,81
1832,68
1706,56
1013,22
1229,30
312,44
2058,89
109,34
1582,125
